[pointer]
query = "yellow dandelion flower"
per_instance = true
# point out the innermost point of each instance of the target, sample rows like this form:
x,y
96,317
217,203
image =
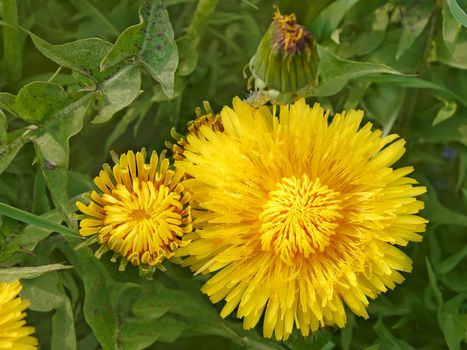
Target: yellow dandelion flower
x,y
13,332
142,212
298,216
213,121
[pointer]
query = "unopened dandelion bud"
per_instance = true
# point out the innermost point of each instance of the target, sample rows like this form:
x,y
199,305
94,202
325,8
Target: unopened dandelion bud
x,y
286,60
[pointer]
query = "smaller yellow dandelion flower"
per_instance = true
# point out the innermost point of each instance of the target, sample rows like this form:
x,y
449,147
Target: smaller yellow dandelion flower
x,y
13,332
142,212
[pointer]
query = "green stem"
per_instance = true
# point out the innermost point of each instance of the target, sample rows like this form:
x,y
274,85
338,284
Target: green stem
x,y
35,220
12,41
199,21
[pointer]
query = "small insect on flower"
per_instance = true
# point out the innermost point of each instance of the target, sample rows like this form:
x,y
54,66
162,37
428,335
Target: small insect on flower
x,y
298,217
142,212
14,334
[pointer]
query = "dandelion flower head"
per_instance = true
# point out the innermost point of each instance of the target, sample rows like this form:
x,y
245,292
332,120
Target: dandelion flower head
x,y
298,216
14,334
142,212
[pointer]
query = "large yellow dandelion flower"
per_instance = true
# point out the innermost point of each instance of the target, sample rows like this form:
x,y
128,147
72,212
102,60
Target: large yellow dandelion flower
x,y
13,332
298,216
142,212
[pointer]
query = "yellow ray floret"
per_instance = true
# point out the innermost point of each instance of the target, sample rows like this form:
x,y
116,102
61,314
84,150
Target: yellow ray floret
x,y
142,211
298,216
14,334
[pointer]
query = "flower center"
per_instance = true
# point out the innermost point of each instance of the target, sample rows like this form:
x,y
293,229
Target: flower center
x,y
140,214
290,37
299,218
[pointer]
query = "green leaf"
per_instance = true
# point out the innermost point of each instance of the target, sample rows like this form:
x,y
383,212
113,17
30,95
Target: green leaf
x,y
450,263
136,110
408,81
37,101
63,327
458,57
453,333
3,127
52,149
83,56
13,273
388,340
434,283
150,43
104,304
188,44
457,12
462,168
7,103
451,28
440,214
446,112
141,333
383,103
28,238
328,20
414,20
335,72
347,333
117,92
40,200
8,151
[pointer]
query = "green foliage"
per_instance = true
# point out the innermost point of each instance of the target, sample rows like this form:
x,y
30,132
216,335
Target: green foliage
x,y
82,77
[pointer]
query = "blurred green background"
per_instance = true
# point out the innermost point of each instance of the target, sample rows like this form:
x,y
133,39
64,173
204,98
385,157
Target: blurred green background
x,y
403,62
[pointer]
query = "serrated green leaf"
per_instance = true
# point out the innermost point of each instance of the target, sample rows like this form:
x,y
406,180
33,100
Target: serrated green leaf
x,y
150,43
13,273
